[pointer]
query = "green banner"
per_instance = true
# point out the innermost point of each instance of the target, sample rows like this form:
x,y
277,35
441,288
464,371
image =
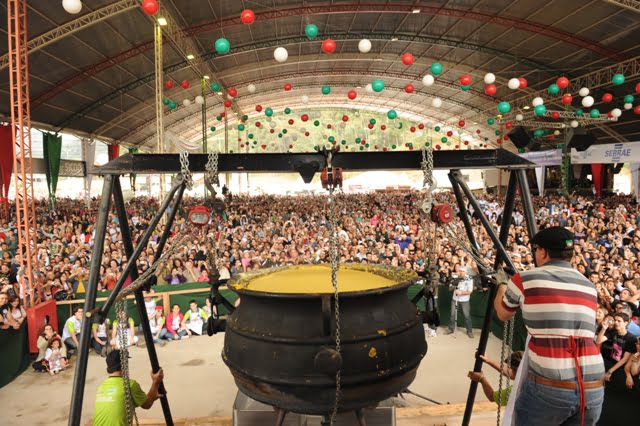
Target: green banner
x,y
14,353
52,149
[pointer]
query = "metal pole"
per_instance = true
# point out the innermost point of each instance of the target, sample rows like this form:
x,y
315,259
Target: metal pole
x,y
75,412
527,203
204,124
488,316
159,73
121,211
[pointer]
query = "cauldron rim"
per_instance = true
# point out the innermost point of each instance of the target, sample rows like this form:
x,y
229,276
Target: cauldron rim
x,y
232,284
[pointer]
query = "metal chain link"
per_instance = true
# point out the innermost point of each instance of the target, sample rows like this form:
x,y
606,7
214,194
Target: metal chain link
x,y
211,168
184,169
505,354
334,258
429,227
123,323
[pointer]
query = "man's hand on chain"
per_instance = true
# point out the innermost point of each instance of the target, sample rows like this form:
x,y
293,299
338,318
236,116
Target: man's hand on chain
x,y
501,277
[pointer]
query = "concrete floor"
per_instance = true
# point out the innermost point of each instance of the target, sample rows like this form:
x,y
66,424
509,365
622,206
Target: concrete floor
x,y
200,385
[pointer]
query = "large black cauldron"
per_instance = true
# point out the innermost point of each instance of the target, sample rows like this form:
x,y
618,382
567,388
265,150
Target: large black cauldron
x,y
279,347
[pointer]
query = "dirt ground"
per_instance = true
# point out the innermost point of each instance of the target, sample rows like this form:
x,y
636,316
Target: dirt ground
x,y
200,385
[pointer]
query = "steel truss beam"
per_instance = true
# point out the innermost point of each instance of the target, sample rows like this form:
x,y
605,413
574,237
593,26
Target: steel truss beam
x,y
530,117
74,26
627,4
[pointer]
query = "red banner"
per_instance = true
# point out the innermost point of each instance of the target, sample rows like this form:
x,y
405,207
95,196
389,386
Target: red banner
x,y
114,152
596,172
6,160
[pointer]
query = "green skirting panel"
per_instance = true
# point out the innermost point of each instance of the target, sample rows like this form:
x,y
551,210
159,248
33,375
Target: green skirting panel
x,y
14,354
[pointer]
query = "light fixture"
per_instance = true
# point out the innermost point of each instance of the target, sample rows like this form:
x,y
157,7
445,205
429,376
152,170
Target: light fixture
x,y
394,39
190,56
206,77
219,93
415,11
526,107
162,22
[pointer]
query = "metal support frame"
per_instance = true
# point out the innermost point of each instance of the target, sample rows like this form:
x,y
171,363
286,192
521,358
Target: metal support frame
x,y
633,5
158,61
21,121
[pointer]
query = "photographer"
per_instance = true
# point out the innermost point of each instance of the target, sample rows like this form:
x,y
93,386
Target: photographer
x,y
462,286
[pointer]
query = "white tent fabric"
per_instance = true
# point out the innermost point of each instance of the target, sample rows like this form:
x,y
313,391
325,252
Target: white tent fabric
x,y
175,143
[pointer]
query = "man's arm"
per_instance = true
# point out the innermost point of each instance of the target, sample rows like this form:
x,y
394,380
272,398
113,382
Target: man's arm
x,y
502,312
617,365
153,393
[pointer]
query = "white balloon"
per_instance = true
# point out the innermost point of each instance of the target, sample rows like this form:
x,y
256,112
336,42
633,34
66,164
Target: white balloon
x,y
428,80
419,134
587,101
556,132
628,106
616,112
343,124
368,88
562,125
304,99
280,54
490,78
513,84
574,123
251,88
186,102
303,130
294,137
269,119
72,6
398,126
519,117
436,102
364,46
273,124
583,92
199,100
537,101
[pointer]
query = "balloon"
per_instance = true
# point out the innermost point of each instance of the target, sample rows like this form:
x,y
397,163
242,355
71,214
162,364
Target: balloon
x,y
232,92
227,103
304,117
166,101
172,105
392,114
368,88
304,99
326,89
436,102
489,78
409,88
377,85
199,100
637,87
594,113
287,87
185,84
513,84
490,121
168,84
372,121
587,101
258,108
636,110
465,88
583,92
523,83
383,127
540,110
537,101
555,115
420,126
75,6
311,31
370,126
272,123
407,59
628,106
628,99
328,46
316,123
364,46
436,68
519,117
553,89
247,16
215,87
461,123
268,112
490,89
607,97
579,112
508,125
345,118
504,107
222,46
465,80
287,110
444,139
280,54
538,133
437,128
616,112
352,94
450,133
241,127
567,99
251,88
562,82
428,80
618,79
574,123
213,128
186,102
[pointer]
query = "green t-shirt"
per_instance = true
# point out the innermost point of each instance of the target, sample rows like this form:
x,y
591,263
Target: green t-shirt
x,y
502,398
110,402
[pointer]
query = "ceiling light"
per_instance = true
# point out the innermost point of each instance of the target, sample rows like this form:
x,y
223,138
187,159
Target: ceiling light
x,y
394,39
526,107
206,77
219,93
190,56
162,22
415,11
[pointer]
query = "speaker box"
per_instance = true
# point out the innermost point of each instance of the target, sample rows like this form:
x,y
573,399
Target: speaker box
x,y
519,137
580,139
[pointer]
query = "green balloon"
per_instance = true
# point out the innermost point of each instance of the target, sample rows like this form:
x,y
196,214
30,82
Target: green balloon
x,y
219,118
255,142
326,89
628,99
594,113
443,139
436,68
521,150
166,101
504,107
465,88
316,123
343,142
366,145
497,132
618,79
400,125
284,131
279,135
579,112
377,85
358,140
311,30
553,89
230,151
173,105
287,110
268,112
393,147
250,135
540,110
215,87
361,148
222,46
491,121
538,133
245,117
241,127
372,121
392,114
332,139
437,128
213,128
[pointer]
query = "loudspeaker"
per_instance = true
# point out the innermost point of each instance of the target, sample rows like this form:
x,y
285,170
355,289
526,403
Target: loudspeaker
x,y
580,139
519,137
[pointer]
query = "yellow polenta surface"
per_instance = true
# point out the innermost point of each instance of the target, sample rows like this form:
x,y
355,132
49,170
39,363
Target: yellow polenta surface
x,y
315,279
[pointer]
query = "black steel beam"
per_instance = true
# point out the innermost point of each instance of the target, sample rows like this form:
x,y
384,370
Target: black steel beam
x,y
291,162
527,203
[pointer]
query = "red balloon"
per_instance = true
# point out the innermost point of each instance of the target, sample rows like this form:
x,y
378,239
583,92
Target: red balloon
x,y
258,124
407,59
258,108
345,118
306,133
523,83
290,146
465,79
287,87
499,140
466,142
478,131
328,46
490,89
412,129
233,92
636,110
607,97
364,142
409,88
328,126
272,130
567,99
437,146
609,115
185,84
370,126
562,82
420,126
449,133
457,146
222,114
168,84
638,88
461,123
242,146
227,103
239,139
150,7
304,117
555,115
247,16
506,137
265,146
508,125
383,127
352,94
290,121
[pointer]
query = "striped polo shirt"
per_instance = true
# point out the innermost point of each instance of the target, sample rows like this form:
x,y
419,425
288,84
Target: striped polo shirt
x,y
557,302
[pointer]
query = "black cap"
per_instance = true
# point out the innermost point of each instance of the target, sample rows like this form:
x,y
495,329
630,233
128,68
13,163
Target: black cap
x,y
113,361
554,238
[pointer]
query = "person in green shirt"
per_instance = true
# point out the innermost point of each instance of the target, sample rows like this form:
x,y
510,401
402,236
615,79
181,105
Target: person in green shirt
x,y
500,397
110,408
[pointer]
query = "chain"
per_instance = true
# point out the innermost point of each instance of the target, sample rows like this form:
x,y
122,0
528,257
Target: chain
x,y
211,168
334,257
184,169
505,354
482,266
429,227
122,317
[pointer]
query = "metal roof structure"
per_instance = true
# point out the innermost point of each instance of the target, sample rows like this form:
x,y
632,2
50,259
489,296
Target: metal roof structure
x,y
93,73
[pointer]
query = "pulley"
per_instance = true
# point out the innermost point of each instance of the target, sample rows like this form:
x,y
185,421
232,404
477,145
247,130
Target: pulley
x,y
331,177
199,215
442,214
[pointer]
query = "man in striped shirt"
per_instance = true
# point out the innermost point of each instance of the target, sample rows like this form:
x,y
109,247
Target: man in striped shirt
x,y
565,379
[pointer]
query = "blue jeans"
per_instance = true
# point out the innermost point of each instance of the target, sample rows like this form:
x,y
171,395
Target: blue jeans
x,y
164,335
541,405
